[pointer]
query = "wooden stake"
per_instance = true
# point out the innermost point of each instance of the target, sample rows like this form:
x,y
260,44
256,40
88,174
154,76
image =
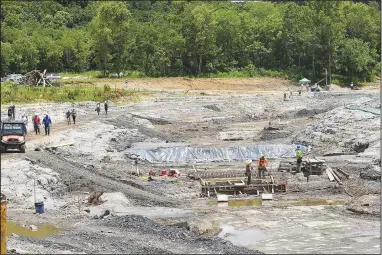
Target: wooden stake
x,y
34,189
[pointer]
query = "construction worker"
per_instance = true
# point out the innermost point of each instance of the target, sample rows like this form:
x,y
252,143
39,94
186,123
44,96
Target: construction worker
x,y
262,167
248,170
74,115
106,107
351,86
150,175
299,158
36,123
47,123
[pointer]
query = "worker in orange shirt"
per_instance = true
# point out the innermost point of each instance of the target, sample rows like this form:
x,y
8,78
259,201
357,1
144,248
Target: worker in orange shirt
x,y
262,166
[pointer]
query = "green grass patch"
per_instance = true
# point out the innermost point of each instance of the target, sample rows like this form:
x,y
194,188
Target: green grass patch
x,y
32,94
245,73
91,74
98,74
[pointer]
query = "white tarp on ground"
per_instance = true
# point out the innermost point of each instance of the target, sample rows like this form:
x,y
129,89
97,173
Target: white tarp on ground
x,y
189,154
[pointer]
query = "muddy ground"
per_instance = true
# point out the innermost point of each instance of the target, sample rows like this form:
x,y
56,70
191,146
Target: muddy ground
x,y
169,215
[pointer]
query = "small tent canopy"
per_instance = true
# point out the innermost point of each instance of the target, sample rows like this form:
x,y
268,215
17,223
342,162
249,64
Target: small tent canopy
x,y
304,81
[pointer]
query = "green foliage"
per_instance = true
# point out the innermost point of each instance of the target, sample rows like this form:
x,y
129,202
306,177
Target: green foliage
x,y
192,38
25,94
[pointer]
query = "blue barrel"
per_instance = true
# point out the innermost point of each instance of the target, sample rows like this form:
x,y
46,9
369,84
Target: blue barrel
x,y
312,89
39,206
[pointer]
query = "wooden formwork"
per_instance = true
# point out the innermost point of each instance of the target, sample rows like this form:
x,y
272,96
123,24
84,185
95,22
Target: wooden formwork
x,y
239,185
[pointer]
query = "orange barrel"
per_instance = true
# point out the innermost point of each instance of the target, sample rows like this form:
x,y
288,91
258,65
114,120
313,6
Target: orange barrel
x,y
3,227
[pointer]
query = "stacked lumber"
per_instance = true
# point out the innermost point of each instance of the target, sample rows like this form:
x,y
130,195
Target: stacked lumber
x,y
333,175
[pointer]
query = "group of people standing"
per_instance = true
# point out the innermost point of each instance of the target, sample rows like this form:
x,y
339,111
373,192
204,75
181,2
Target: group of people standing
x,y
263,163
261,168
46,121
98,108
71,114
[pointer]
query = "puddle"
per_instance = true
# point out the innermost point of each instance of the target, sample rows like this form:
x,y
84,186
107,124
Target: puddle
x,y
41,232
315,202
236,203
241,236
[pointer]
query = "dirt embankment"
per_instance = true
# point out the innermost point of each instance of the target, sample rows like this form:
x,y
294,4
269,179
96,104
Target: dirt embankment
x,y
238,85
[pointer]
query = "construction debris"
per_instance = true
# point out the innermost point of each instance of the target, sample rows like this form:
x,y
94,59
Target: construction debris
x,y
35,77
95,198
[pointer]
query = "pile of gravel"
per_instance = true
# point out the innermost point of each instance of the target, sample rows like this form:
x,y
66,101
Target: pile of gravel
x,y
131,234
177,235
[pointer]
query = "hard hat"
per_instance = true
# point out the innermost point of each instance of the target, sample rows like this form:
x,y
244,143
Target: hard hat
x,y
247,162
298,146
35,114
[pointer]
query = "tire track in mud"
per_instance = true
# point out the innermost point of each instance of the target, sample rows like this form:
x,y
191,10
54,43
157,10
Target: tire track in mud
x,y
76,175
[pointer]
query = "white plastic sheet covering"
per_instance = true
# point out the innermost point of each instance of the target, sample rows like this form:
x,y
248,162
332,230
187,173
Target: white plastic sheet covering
x,y
189,154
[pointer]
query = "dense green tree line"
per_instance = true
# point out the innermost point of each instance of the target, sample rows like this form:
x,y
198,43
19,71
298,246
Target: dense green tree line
x,y
178,38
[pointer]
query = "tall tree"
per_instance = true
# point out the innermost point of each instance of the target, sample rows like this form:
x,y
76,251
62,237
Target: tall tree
x,y
109,29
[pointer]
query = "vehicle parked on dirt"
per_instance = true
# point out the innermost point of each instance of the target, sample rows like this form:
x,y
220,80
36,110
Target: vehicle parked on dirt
x,y
12,136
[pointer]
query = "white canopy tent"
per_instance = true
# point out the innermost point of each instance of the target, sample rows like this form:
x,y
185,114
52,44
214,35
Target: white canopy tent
x,y
304,81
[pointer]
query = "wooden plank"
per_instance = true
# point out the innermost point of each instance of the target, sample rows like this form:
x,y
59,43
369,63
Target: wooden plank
x,y
319,160
331,177
343,172
335,176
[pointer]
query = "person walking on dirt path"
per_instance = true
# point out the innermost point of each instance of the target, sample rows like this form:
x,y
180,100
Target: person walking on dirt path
x,y
10,112
106,107
36,123
13,107
25,120
68,117
248,170
298,158
74,115
47,123
262,167
98,108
